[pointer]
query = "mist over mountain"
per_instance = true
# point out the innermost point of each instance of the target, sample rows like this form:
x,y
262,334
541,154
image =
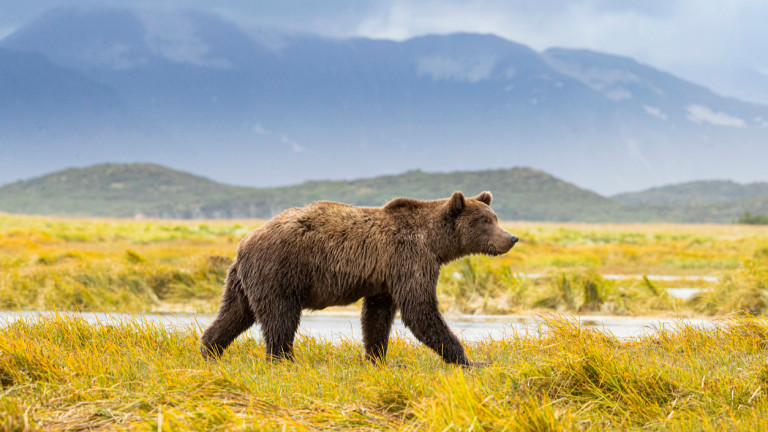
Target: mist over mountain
x,y
195,92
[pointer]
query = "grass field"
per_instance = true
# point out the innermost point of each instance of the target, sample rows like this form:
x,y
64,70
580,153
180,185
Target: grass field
x,y
163,265
60,373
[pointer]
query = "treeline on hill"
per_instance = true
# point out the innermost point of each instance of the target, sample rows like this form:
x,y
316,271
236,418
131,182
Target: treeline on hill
x,y
146,190
749,219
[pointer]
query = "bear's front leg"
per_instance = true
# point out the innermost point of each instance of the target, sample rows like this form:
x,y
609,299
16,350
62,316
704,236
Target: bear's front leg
x,y
417,300
376,319
427,324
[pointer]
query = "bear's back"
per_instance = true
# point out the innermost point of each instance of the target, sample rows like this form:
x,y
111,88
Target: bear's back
x,y
335,252
323,226
334,219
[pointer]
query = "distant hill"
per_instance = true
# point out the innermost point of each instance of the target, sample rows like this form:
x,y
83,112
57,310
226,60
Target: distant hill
x,y
695,193
196,91
722,212
123,190
129,190
148,190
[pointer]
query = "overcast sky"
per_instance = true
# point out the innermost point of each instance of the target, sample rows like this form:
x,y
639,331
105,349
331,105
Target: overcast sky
x,y
722,44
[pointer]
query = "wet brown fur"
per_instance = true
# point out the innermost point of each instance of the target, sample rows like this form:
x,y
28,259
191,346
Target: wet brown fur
x,y
329,254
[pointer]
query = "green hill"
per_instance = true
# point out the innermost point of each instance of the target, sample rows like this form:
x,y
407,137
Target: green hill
x,y
124,190
695,193
129,190
146,190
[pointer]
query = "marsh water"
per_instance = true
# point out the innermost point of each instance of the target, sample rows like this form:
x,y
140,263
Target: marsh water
x,y
336,327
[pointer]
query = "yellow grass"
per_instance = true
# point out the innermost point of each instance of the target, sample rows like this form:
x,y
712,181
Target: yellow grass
x,y
163,265
60,373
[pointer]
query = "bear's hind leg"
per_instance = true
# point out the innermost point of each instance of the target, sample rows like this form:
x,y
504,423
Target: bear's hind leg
x,y
234,317
279,321
376,319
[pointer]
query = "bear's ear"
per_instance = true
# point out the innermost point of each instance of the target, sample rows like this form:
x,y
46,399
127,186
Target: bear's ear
x,y
456,203
485,197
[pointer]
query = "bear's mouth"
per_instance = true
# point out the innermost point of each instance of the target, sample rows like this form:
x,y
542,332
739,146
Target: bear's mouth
x,y
493,250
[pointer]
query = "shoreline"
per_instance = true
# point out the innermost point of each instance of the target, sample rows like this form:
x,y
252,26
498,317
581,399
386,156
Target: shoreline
x,y
355,313
335,327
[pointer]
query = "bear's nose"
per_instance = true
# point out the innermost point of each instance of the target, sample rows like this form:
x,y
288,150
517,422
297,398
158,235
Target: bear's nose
x,y
513,239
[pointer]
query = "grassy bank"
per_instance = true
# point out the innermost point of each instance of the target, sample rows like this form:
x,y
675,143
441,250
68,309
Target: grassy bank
x,y
142,266
62,373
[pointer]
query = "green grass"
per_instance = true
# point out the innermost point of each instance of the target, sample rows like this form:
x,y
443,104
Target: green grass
x,y
62,373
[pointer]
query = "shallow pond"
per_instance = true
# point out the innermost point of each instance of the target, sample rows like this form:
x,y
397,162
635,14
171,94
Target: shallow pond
x,y
347,326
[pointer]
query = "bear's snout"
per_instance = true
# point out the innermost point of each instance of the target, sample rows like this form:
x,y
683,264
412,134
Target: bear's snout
x,y
503,242
510,241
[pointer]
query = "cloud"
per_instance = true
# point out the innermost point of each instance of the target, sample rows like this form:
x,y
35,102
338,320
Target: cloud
x,y
6,30
294,145
651,29
689,38
172,36
654,111
258,129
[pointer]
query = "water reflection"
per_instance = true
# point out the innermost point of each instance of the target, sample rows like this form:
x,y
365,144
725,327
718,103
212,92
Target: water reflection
x,y
337,327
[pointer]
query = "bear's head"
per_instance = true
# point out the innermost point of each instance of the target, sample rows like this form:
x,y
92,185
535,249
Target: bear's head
x,y
476,227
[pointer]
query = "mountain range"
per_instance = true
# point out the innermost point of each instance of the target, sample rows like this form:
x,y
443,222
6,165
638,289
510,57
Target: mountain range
x,y
148,190
193,91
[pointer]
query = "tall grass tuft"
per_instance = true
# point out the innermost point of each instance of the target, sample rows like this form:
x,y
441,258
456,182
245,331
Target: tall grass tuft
x,y
744,290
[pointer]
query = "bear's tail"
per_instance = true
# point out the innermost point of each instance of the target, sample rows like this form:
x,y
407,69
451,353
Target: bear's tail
x,y
234,317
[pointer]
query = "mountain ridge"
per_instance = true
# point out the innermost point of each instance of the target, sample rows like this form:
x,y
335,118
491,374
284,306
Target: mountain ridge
x,y
281,109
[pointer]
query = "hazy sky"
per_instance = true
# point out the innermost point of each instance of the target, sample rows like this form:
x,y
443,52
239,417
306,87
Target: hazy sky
x,y
721,44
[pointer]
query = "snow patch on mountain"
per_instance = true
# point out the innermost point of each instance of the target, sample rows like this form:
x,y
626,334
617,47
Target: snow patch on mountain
x,y
609,82
446,68
700,114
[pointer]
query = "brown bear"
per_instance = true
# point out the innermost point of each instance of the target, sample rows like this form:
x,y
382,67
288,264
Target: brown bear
x,y
329,254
